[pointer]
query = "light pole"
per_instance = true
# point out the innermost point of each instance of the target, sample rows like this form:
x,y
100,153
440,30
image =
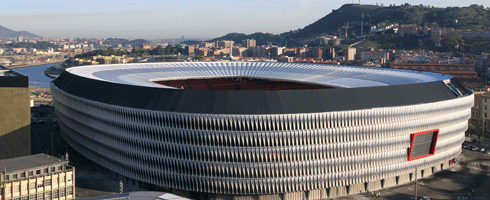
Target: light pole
x,y
416,183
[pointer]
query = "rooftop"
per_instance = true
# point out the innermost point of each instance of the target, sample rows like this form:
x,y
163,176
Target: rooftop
x,y
27,162
146,74
5,71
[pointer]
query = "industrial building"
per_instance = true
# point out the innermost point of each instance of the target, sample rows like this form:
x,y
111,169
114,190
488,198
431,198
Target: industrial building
x,y
254,130
15,119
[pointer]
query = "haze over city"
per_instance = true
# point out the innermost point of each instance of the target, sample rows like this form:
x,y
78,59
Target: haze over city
x,y
174,19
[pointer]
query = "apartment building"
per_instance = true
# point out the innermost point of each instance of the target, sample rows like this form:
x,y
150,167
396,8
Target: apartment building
x,y
36,177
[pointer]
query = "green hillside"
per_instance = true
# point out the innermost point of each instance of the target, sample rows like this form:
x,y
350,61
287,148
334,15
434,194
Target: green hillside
x,y
473,17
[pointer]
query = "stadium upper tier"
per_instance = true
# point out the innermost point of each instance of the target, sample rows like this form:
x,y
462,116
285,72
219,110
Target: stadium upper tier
x,y
140,86
328,75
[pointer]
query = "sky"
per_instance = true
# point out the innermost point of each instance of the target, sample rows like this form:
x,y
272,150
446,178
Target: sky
x,y
165,19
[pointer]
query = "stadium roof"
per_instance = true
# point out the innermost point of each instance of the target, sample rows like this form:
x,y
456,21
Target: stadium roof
x,y
131,85
331,75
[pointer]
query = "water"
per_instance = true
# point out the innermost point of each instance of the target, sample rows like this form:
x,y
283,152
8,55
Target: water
x,y
36,75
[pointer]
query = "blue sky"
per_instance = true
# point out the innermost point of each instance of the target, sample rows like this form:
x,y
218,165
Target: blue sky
x,y
158,19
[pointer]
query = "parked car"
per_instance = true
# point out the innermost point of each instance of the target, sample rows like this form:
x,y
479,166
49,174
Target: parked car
x,y
487,152
475,149
482,150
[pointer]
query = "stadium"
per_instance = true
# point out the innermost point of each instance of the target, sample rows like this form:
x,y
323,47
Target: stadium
x,y
255,130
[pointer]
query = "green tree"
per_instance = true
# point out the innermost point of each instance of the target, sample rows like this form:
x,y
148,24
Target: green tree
x,y
450,40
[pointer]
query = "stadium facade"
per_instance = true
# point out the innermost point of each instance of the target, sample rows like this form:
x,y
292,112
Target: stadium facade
x,y
251,130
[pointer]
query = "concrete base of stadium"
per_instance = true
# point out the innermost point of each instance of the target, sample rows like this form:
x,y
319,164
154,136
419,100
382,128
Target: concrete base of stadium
x,y
335,191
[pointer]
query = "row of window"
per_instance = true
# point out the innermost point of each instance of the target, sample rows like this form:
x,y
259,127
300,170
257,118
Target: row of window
x,y
32,173
54,194
34,184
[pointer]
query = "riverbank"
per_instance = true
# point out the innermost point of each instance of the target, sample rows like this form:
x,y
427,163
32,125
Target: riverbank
x,y
34,64
53,76
53,72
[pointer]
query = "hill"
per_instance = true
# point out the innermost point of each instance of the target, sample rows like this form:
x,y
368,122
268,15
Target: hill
x,y
6,33
473,17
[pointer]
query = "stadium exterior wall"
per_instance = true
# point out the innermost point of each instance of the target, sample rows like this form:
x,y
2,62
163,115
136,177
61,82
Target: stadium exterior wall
x,y
263,156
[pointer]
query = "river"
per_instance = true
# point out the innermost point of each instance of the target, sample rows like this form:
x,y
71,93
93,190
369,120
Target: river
x,y
36,75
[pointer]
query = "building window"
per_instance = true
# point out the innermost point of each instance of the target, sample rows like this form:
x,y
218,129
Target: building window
x,y
40,196
32,197
47,182
17,198
60,168
32,185
25,198
485,115
62,192
485,107
14,176
40,185
53,169
62,179
69,191
24,187
31,173
23,175
16,188
38,172
47,195
55,194
68,179
7,177
45,170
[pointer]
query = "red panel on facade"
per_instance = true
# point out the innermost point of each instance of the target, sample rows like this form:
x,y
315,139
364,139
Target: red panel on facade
x,y
432,146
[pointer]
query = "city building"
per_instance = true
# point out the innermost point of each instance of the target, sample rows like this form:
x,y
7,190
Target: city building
x,y
205,44
15,114
225,43
263,130
480,112
350,53
409,29
189,49
38,177
249,43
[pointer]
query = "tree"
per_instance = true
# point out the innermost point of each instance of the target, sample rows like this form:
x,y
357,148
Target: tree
x,y
450,40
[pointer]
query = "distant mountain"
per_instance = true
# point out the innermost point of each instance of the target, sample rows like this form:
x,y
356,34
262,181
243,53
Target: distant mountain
x,y
6,33
473,17
261,38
